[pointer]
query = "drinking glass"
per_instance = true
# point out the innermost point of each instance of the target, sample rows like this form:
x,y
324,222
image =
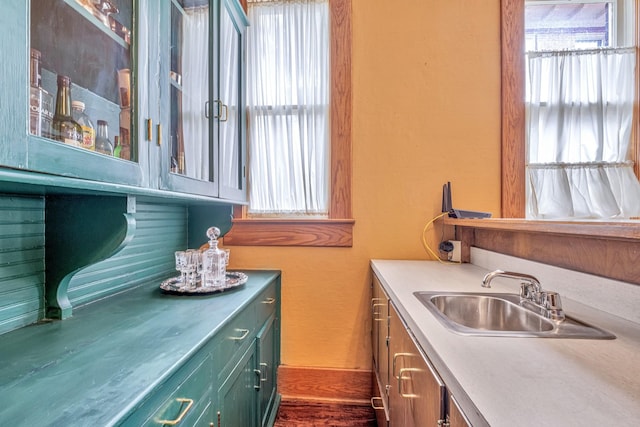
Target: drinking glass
x,y
181,265
193,261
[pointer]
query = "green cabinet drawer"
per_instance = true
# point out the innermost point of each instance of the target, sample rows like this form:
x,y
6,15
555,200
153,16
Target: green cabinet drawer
x,y
233,338
266,303
181,400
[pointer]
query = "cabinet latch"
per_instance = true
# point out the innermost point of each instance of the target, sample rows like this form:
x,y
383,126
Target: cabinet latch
x,y
149,129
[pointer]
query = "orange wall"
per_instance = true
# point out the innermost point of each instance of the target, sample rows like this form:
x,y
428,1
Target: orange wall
x,y
426,89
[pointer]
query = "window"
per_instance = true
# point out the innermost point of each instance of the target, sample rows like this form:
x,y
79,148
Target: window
x,y
288,107
580,77
336,228
596,25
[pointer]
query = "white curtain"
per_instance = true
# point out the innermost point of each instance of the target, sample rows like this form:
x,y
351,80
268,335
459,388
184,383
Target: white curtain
x,y
579,120
288,107
229,94
195,70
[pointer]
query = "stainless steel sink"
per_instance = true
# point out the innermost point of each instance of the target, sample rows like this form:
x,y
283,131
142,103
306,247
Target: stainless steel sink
x,y
497,314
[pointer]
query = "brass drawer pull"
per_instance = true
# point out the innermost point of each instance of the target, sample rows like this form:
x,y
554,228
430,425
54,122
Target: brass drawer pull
x,y
245,332
373,405
395,357
269,301
186,409
375,313
402,377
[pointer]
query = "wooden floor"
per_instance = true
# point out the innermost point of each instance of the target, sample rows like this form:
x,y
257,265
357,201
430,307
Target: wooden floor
x,y
300,413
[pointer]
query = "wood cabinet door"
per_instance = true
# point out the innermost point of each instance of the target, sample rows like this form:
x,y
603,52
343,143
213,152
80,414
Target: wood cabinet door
x,y
416,393
456,416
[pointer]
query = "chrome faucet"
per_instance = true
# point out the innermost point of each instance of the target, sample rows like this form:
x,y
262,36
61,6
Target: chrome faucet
x,y
547,303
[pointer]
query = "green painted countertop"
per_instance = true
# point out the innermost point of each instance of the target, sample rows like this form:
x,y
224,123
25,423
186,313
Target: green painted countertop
x,y
95,367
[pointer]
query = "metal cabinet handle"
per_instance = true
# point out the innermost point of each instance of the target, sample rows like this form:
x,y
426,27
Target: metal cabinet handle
x,y
206,109
375,313
401,377
222,115
395,358
373,405
245,332
269,301
266,367
186,409
258,372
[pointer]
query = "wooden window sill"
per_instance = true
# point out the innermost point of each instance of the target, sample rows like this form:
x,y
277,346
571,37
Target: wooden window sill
x,y
291,232
610,230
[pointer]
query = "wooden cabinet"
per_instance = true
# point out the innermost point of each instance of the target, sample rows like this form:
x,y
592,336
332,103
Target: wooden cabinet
x,y
417,394
380,348
407,389
166,76
455,414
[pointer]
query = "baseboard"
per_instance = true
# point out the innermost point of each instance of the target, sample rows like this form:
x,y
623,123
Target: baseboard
x,y
325,384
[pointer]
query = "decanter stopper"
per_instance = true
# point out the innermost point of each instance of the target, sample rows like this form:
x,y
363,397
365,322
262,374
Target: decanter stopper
x,y
213,233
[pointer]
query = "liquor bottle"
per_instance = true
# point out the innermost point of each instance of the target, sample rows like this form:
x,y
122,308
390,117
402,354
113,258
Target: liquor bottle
x,y
88,131
63,127
103,145
40,101
118,146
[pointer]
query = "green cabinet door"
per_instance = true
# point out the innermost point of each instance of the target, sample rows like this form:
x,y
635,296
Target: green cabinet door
x,y
99,53
237,396
268,358
230,121
201,46
14,81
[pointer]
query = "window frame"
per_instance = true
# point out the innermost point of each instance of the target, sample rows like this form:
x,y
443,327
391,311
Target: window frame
x,y
337,229
513,108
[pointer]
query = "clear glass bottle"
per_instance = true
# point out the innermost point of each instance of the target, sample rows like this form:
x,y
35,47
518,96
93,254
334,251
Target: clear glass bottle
x,y
40,101
63,127
88,131
103,145
214,261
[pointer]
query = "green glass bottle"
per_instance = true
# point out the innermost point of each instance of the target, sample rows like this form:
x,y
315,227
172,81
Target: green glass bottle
x,y
63,127
118,146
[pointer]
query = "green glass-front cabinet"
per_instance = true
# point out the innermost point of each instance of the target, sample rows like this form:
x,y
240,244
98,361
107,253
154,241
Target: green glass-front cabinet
x,y
201,90
165,77
98,52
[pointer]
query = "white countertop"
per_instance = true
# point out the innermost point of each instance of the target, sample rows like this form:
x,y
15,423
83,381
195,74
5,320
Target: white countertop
x,y
506,381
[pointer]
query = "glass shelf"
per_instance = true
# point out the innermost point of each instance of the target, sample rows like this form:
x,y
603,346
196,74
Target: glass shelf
x,y
82,10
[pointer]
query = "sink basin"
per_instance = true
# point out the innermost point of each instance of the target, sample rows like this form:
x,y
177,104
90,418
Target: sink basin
x,y
497,314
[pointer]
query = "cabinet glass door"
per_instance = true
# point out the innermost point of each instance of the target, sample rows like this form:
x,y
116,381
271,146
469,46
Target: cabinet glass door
x,y
190,143
81,88
231,112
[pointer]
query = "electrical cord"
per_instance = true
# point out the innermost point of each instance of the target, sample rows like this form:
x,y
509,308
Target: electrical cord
x,y
426,244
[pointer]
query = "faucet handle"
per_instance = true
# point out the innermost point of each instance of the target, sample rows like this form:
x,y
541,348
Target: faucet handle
x,y
551,302
529,291
550,299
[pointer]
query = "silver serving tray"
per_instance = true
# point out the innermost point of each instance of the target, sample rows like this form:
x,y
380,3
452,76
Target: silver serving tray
x,y
174,286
